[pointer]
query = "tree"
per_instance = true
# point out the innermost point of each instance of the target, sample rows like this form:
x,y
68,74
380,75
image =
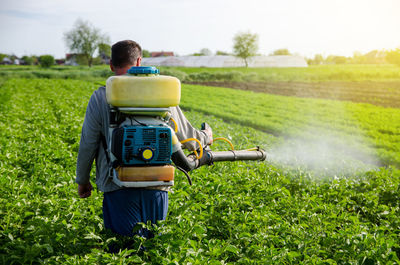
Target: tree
x,y
104,54
104,50
85,39
318,59
2,56
206,52
28,60
221,53
203,52
281,52
146,53
393,56
245,45
35,59
358,58
46,61
336,59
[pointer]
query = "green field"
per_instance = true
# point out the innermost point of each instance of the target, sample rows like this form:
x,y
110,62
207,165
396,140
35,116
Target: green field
x,y
369,129
321,73
329,192
314,73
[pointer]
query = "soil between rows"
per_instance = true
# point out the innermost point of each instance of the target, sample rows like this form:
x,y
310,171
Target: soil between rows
x,y
386,94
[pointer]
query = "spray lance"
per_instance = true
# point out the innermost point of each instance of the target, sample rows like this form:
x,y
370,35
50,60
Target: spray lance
x,y
255,153
209,157
142,147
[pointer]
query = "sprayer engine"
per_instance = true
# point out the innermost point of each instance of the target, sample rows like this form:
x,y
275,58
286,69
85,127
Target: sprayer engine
x,y
142,145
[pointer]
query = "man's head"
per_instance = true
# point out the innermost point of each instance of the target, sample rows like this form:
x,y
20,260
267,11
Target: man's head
x,y
124,55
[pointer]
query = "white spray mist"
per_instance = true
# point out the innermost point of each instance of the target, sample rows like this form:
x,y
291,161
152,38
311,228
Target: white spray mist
x,y
326,155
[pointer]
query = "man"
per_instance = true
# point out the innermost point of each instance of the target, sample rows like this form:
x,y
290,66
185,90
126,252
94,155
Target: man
x,y
123,208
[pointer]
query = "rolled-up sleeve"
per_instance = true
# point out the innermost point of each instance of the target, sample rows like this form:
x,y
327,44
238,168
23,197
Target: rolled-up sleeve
x,y
186,130
89,143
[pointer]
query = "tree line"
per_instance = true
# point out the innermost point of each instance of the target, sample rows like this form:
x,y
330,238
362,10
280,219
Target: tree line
x,y
372,57
42,60
245,46
84,39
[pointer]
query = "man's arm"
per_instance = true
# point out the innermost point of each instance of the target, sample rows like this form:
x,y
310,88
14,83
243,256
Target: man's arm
x,y
186,130
90,139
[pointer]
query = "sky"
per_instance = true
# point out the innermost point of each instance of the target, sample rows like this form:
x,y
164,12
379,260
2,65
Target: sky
x,y
305,27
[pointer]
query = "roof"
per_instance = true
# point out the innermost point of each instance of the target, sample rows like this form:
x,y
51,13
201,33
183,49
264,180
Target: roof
x,y
159,54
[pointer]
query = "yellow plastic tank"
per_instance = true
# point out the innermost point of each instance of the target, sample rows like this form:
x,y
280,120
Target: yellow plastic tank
x,y
154,173
143,90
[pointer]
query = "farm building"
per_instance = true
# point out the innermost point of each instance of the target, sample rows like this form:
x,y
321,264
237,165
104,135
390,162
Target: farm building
x,y
161,54
226,61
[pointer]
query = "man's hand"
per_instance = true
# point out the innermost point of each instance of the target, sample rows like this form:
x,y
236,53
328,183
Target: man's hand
x,y
85,190
207,129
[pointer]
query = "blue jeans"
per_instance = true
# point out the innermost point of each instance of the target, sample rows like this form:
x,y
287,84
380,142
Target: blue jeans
x,y
124,208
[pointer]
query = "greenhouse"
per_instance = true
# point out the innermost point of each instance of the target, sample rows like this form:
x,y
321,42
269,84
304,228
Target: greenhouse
x,y
226,61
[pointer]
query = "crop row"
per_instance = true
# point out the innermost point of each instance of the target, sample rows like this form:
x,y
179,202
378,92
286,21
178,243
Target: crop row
x,y
386,94
319,73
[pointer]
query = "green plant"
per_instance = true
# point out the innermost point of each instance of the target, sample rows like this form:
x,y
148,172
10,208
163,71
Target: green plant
x,y
46,61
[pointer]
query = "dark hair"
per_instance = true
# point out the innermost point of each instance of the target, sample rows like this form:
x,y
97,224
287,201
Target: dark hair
x,y
125,53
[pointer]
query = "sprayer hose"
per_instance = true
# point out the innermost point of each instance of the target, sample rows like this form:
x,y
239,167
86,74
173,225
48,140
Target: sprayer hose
x,y
175,124
224,139
195,152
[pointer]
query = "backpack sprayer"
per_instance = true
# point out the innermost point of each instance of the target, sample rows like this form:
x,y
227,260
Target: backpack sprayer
x,y
142,144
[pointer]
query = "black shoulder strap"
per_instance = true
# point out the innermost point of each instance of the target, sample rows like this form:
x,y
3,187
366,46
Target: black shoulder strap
x,y
104,142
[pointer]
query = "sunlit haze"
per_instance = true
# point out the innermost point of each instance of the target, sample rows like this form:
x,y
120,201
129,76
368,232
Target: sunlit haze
x,y
185,26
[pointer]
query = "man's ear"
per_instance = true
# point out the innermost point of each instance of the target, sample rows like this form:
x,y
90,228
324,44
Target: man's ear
x,y
138,61
111,66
